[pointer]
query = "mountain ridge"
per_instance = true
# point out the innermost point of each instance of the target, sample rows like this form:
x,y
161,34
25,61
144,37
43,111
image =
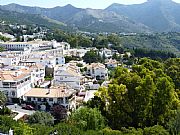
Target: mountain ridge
x,y
160,15
148,17
94,20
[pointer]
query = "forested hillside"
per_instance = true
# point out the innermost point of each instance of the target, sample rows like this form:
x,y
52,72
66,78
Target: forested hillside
x,y
164,42
29,19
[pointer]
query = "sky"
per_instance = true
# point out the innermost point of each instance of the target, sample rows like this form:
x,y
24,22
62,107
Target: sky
x,y
96,4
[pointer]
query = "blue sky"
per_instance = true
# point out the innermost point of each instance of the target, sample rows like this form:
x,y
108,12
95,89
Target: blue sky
x,y
97,4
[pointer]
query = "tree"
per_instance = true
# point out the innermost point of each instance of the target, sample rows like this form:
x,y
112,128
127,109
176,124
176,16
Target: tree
x,y
41,118
173,70
87,119
163,101
1,49
23,129
39,129
114,98
155,130
139,98
5,111
59,112
2,99
18,127
92,56
174,124
96,102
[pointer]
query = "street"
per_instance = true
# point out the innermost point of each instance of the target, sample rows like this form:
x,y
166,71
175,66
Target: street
x,y
17,108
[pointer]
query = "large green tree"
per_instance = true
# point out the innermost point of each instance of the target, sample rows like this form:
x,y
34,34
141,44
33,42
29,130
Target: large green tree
x,y
144,96
2,98
92,56
41,118
174,124
88,119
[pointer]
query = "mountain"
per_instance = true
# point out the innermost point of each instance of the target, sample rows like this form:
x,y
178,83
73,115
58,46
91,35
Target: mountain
x,y
153,15
160,15
56,13
84,19
97,20
29,19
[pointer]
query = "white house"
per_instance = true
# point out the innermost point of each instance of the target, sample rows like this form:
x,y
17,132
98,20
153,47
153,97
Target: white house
x,y
77,52
60,59
69,74
37,44
12,58
37,72
91,86
62,95
46,61
106,52
98,71
110,63
15,82
19,45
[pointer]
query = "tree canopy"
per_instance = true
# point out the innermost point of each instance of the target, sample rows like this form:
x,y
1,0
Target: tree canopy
x,y
142,97
88,119
42,118
2,99
92,56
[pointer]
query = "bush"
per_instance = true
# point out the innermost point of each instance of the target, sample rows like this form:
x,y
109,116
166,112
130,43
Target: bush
x,y
41,118
5,111
88,119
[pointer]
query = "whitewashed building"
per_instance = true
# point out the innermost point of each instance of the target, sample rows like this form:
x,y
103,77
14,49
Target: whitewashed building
x,y
62,95
12,58
98,71
46,61
37,73
15,82
107,53
110,63
69,74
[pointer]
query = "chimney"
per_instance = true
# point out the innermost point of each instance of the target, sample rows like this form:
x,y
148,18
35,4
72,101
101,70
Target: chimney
x,y
48,92
16,74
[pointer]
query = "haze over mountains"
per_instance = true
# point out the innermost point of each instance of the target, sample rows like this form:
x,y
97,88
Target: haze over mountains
x,y
151,16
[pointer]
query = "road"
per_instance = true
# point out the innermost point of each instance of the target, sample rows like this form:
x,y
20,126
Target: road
x,y
18,109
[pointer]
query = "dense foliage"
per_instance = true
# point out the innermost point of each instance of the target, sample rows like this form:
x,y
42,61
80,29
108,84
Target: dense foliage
x,y
88,119
164,45
143,97
21,128
92,57
42,118
2,98
2,38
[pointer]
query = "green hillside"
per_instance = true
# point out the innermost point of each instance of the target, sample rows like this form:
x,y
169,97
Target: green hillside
x,y
169,42
29,19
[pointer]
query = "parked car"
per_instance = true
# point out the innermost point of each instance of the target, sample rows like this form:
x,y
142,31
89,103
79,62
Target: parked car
x,y
28,107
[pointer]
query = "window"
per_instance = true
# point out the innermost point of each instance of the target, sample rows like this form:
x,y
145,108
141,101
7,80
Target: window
x,y
93,71
66,99
44,99
39,99
13,93
28,99
60,100
51,99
